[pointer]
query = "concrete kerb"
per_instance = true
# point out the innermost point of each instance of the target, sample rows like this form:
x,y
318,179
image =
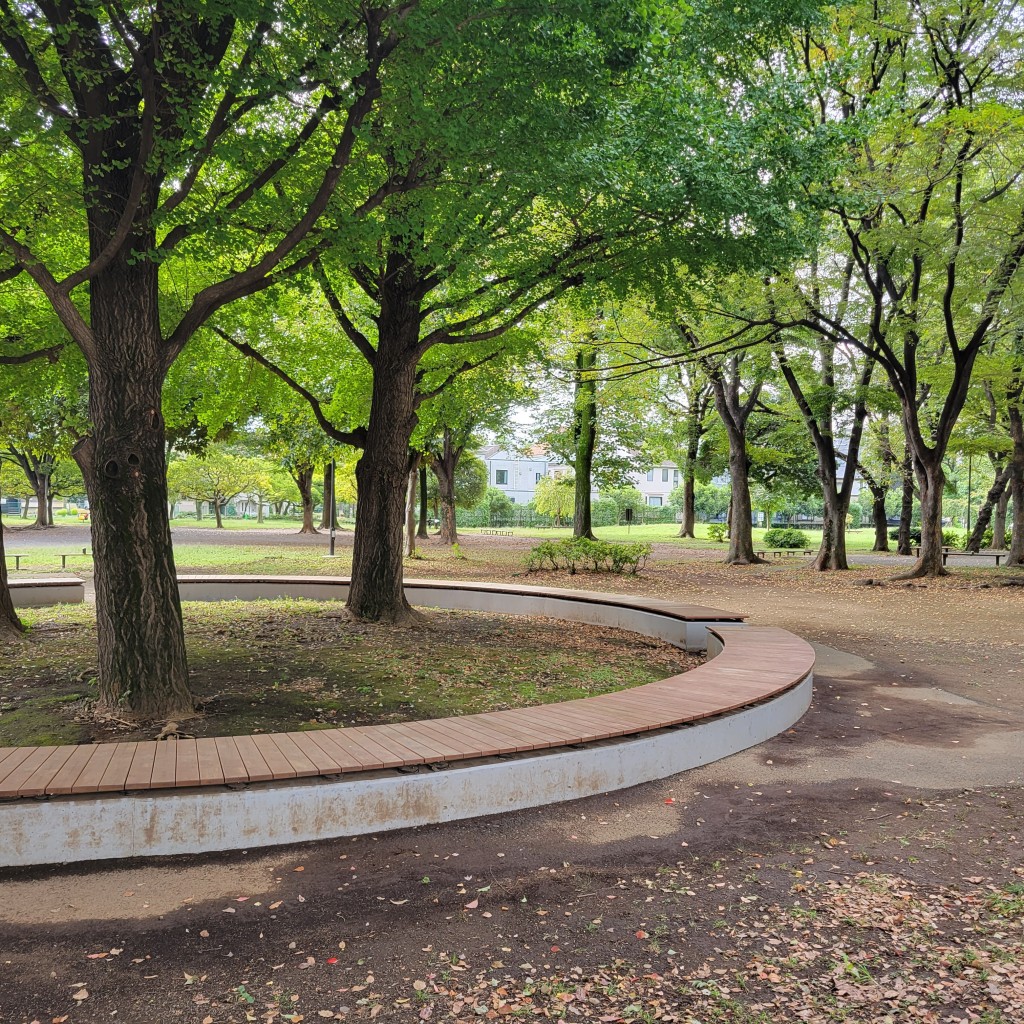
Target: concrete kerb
x,y
216,818
43,591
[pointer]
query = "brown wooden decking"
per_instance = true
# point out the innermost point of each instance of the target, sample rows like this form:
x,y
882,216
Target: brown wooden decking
x,y
757,663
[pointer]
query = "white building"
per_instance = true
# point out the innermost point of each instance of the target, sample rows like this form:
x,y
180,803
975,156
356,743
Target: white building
x,y
514,473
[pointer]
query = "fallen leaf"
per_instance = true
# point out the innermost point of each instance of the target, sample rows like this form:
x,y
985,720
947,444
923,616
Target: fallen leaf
x,y
80,995
472,904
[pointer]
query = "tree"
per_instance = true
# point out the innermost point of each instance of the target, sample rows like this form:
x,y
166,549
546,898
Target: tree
x,y
633,156
178,128
927,193
554,496
10,624
216,477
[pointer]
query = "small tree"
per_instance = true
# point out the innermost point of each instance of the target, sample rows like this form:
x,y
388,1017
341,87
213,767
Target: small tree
x,y
555,496
217,478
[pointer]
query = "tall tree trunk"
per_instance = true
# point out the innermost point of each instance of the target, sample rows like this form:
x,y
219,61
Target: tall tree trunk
x,y
832,552
906,505
10,624
218,513
303,477
687,527
259,509
585,435
376,593
325,515
410,513
142,664
422,531
741,533
999,520
879,517
993,509
49,507
931,480
445,466
1016,555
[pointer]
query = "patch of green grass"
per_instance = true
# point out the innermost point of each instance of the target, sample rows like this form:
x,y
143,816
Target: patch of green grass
x,y
1008,902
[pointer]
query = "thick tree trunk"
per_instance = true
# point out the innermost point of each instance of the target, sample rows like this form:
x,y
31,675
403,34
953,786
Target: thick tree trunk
x,y
410,514
143,669
445,467
1016,555
41,492
218,513
832,552
999,520
906,505
376,593
422,532
199,511
303,477
993,509
741,533
10,624
259,510
686,528
325,515
585,433
878,517
931,480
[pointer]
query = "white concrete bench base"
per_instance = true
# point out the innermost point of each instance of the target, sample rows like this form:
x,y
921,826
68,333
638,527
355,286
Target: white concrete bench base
x,y
205,820
38,593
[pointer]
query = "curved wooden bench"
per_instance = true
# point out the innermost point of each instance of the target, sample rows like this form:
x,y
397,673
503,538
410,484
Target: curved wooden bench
x,y
756,684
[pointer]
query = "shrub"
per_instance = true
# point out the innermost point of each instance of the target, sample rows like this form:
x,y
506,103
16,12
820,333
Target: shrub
x,y
716,532
855,517
915,535
953,539
785,537
593,555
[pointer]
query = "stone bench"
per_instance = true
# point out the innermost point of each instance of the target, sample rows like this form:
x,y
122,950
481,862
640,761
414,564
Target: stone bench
x,y
46,590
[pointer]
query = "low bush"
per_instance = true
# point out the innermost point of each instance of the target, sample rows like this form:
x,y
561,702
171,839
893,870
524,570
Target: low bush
x,y
953,539
915,535
592,555
716,532
785,537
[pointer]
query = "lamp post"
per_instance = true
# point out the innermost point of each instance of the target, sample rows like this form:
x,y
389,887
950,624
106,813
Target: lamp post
x,y
334,507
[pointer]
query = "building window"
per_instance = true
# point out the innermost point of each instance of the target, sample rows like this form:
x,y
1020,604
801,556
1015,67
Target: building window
x,y
675,477
512,499
654,500
536,477
650,474
501,477
664,476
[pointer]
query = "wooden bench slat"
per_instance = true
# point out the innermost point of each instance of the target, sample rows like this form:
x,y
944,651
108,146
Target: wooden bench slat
x,y
23,771
63,781
231,764
186,763
165,764
323,761
256,767
210,773
278,765
351,755
300,765
140,774
36,783
88,780
116,772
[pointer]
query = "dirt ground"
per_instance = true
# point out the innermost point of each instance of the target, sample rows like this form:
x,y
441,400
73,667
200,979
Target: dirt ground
x,y
865,866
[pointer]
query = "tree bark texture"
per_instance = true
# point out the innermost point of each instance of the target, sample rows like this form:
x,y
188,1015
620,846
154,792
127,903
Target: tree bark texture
x,y
906,505
879,518
444,467
410,513
422,533
325,515
143,669
585,437
10,624
303,477
931,479
992,510
734,413
1016,555
218,513
376,593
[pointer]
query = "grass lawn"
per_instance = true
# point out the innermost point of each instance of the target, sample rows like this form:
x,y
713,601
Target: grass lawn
x,y
261,666
665,533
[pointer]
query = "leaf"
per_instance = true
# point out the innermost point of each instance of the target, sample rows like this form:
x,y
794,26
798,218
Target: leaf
x,y
472,904
420,986
81,995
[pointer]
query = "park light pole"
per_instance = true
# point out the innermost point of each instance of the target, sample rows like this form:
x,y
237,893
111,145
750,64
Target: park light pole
x,y
334,506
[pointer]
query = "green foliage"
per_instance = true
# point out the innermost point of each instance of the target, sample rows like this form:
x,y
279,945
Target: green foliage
x,y
785,537
710,501
855,517
953,539
594,555
555,496
623,498
716,532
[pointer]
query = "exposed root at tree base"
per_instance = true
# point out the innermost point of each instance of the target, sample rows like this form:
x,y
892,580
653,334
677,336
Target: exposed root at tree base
x,y
920,572
407,618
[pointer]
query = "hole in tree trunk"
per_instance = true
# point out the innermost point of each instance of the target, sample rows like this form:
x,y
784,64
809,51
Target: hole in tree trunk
x,y
112,468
